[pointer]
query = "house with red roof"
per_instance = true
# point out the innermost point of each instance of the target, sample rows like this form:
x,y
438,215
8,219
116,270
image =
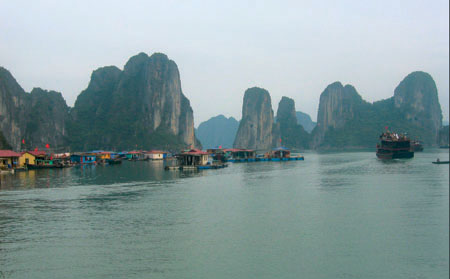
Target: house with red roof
x,y
9,159
193,158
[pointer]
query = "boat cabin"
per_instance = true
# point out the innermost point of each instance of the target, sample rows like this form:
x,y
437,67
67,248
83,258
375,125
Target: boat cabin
x,y
281,152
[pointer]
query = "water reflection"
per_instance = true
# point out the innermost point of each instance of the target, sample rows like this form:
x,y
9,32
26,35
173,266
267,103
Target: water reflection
x,y
94,175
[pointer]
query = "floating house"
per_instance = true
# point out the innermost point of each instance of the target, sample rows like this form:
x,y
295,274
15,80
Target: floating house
x,y
155,155
100,155
193,158
26,158
9,159
63,158
135,156
283,154
83,158
240,155
217,154
280,153
42,159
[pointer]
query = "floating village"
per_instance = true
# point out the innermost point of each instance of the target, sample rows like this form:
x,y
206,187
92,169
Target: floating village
x,y
391,146
191,159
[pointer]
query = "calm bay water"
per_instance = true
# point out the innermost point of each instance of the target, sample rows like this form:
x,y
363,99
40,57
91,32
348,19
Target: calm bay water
x,y
335,215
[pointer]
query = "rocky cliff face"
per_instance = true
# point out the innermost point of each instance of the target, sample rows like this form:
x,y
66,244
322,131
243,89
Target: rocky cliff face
x,y
38,118
140,107
218,131
345,120
48,114
444,136
417,98
255,128
337,107
13,103
292,134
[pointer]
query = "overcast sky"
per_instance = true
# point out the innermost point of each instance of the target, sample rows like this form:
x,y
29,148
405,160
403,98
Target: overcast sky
x,y
290,48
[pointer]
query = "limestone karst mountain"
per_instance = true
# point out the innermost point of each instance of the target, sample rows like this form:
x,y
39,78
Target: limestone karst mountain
x,y
142,106
37,118
255,128
345,120
288,132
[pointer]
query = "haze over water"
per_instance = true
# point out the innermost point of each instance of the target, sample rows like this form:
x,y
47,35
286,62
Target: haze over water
x,y
334,215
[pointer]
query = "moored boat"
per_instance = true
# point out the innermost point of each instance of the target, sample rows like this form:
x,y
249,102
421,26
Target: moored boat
x,y
37,167
416,146
114,161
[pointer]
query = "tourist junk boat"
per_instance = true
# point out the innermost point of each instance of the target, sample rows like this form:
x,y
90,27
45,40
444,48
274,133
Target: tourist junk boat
x,y
394,146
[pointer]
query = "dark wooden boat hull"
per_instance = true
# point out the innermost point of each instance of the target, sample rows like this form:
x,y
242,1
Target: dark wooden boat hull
x,y
395,155
417,148
38,167
441,162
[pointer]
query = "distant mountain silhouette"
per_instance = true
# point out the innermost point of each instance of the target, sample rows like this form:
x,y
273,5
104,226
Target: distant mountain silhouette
x,y
217,131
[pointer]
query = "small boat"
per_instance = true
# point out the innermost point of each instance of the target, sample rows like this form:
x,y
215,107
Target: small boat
x,y
37,167
438,162
114,161
416,146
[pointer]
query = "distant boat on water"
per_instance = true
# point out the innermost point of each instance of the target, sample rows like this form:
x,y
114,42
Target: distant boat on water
x,y
394,146
416,146
439,162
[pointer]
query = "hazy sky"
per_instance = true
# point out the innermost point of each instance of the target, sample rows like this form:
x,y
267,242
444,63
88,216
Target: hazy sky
x,y
290,48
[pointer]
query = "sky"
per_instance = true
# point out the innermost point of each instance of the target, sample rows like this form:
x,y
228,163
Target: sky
x,y
290,48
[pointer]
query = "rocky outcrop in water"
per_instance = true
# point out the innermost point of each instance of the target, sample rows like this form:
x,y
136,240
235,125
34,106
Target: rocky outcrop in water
x,y
38,117
417,99
345,120
217,131
288,132
142,106
338,105
255,128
